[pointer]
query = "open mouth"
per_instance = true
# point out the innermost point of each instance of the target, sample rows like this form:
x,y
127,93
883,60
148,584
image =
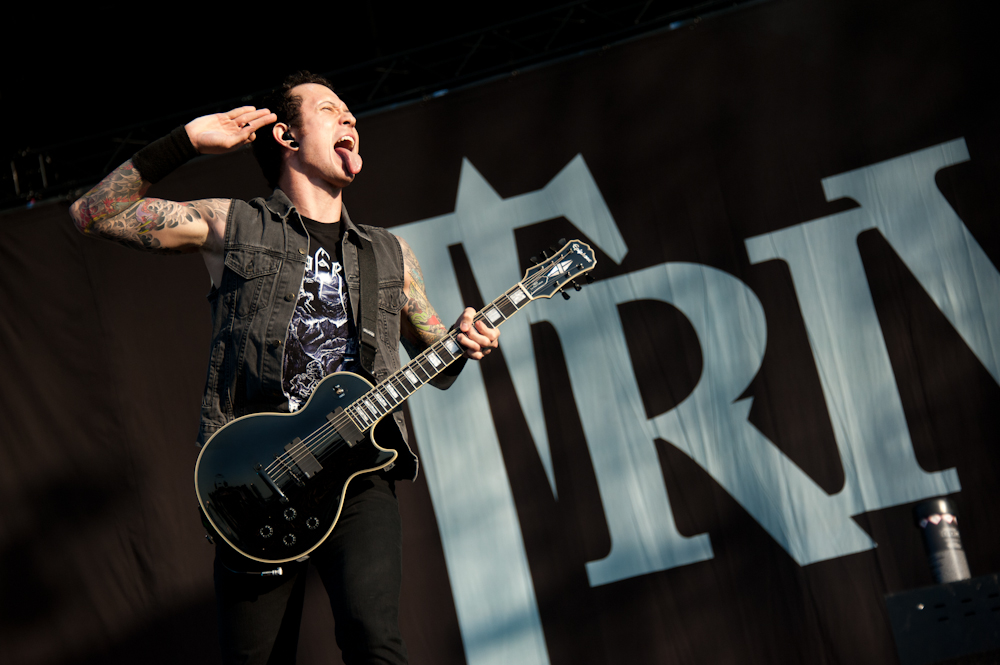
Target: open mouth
x,y
345,148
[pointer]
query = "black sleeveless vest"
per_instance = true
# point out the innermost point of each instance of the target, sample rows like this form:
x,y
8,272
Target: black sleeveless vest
x,y
265,259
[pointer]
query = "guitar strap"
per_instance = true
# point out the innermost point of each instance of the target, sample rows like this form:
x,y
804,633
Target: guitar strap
x,y
368,305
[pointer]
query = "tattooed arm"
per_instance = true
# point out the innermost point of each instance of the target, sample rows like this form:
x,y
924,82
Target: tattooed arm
x,y
116,210
421,326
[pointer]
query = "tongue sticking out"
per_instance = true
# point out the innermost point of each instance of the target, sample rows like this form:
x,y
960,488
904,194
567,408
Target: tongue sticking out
x,y
352,161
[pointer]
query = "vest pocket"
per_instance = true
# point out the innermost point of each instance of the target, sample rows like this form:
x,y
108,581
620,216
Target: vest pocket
x,y
391,297
390,302
250,270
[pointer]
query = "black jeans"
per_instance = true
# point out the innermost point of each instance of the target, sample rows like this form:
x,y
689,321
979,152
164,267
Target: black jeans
x,y
361,567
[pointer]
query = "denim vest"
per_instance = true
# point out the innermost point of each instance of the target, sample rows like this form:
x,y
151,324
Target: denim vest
x,y
265,259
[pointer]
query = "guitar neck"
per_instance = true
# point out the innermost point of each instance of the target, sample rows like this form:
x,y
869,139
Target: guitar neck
x,y
397,387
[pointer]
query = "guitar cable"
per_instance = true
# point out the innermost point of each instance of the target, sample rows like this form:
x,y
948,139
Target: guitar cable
x,y
255,573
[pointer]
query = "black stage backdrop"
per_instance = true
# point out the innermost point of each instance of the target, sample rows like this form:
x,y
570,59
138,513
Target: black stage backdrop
x,y
691,142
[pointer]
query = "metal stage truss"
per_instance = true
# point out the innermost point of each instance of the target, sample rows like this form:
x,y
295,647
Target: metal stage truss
x,y
63,170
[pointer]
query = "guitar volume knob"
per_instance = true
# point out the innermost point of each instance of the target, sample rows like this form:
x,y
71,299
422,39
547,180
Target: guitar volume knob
x,y
289,540
312,523
290,514
266,531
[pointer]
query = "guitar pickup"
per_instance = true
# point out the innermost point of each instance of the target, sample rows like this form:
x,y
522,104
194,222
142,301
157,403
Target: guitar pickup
x,y
304,460
346,429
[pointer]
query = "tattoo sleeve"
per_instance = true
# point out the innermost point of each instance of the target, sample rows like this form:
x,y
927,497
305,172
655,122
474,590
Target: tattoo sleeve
x,y
116,210
420,320
109,198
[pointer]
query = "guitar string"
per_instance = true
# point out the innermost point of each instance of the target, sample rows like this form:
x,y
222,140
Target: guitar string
x,y
319,437
325,432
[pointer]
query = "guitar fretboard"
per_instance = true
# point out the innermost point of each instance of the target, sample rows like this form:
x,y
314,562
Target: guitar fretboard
x,y
397,387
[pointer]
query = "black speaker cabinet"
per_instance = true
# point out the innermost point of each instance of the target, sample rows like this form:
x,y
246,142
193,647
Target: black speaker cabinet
x,y
952,623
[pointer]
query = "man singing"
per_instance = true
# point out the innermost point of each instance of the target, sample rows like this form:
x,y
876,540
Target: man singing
x,y
285,299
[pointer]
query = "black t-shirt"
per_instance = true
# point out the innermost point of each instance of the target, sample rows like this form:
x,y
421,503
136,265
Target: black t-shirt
x,y
321,336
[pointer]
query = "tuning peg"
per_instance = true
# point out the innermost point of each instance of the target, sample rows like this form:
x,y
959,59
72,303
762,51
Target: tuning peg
x,y
545,253
589,278
534,260
562,242
555,248
565,295
576,286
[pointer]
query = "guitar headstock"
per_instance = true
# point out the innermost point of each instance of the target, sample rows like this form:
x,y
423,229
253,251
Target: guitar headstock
x,y
551,275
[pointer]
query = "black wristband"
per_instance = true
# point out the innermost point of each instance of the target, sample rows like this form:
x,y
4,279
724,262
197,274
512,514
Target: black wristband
x,y
159,159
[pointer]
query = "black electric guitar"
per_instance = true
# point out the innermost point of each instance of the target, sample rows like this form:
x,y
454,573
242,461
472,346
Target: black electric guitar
x,y
272,484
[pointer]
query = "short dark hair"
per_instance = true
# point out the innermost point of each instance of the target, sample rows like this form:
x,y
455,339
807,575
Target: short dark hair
x,y
288,108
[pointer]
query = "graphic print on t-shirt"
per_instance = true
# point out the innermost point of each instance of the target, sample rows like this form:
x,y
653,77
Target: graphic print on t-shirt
x,y
319,339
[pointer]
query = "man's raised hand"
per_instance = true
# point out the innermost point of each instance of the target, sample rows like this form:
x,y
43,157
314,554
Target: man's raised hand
x,y
221,132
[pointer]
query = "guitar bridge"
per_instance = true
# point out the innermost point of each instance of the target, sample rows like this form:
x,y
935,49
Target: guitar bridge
x,y
270,483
